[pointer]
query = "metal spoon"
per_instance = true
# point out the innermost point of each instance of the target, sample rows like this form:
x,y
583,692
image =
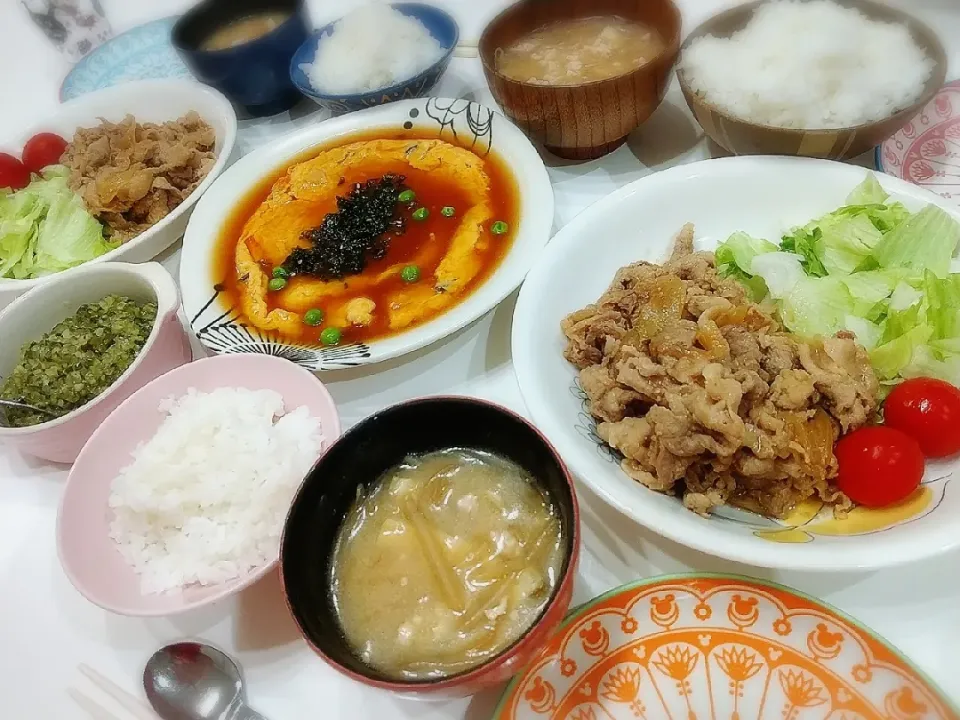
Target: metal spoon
x,y
192,681
20,406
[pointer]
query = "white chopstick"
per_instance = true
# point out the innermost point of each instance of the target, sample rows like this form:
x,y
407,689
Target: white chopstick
x,y
91,706
466,50
125,699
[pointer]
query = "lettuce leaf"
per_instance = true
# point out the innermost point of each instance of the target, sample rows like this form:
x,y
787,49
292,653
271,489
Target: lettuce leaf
x,y
893,357
807,243
46,228
780,271
734,259
870,267
817,307
20,215
925,242
869,192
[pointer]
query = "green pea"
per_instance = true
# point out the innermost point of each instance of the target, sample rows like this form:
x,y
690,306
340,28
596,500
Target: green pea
x,y
277,283
281,272
407,196
330,336
448,211
499,228
410,274
421,213
313,317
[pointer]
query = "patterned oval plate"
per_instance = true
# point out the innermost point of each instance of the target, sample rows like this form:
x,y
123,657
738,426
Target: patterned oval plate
x,y
141,53
219,322
927,150
710,647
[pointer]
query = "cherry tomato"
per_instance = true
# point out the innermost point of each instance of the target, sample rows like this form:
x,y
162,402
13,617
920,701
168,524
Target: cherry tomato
x,y
13,173
43,149
879,466
928,410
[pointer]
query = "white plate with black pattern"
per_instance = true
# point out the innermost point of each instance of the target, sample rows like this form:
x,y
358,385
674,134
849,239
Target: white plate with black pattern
x,y
220,326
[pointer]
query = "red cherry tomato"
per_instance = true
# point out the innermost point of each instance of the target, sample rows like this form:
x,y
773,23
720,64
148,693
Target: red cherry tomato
x,y
928,410
43,149
13,173
879,466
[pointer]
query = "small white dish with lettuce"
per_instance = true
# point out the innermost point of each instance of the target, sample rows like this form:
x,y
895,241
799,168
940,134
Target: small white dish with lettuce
x,y
871,267
45,227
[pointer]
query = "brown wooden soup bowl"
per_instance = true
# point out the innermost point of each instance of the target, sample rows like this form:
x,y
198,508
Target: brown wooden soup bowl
x,y
743,137
585,121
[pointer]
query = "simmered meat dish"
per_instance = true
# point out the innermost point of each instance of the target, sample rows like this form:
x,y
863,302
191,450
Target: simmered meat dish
x,y
131,175
705,396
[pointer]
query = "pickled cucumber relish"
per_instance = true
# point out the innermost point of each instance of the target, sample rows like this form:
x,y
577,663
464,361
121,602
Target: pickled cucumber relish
x,y
80,358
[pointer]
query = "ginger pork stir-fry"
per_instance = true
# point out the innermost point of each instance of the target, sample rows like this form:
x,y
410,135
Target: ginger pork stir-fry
x,y
132,175
706,397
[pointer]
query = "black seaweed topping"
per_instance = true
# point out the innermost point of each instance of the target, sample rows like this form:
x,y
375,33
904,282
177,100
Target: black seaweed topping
x,y
358,232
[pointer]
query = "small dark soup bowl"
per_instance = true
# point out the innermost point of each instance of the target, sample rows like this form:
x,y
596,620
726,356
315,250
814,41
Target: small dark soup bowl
x,y
360,458
254,74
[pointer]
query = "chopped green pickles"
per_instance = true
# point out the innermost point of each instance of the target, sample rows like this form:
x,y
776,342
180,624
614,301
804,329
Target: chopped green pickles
x,y
80,358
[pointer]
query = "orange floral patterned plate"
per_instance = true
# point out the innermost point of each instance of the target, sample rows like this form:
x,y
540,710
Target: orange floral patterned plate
x,y
710,647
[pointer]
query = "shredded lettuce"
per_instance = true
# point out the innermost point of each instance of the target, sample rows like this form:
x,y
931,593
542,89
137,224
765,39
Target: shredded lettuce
x,y
779,271
817,307
890,359
869,192
925,241
871,288
735,258
20,215
46,228
870,267
807,243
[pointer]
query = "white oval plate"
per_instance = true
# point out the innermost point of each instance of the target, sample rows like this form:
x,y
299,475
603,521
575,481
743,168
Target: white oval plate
x,y
221,329
148,101
763,196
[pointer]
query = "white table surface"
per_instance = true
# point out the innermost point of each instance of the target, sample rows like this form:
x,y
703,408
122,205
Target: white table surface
x,y
47,628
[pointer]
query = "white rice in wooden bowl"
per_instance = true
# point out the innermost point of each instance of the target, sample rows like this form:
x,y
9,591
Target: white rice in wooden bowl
x,y
809,65
205,499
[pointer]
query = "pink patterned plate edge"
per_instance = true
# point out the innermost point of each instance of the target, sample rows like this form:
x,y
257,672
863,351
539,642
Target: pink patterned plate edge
x,y
926,151
706,647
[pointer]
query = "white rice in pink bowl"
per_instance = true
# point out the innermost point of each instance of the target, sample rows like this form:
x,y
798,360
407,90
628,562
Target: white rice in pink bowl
x,y
205,498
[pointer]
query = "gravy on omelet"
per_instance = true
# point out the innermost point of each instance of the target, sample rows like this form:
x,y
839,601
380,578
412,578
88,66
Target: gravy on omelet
x,y
462,195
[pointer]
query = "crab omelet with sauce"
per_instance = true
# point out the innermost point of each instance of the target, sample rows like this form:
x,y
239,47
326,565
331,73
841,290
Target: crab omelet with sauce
x,y
369,238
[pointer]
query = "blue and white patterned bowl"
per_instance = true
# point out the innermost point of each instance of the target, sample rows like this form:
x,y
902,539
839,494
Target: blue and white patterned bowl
x,y
439,24
142,53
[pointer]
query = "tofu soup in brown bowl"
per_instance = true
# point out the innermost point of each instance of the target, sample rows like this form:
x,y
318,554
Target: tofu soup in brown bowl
x,y
578,76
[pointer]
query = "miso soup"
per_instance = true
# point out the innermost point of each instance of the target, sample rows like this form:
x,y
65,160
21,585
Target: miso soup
x,y
244,30
571,52
445,563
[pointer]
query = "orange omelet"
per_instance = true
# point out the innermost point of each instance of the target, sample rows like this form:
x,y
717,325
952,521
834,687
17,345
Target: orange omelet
x,y
307,192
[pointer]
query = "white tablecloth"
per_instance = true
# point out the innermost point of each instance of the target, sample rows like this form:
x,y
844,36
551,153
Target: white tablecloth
x,y
47,629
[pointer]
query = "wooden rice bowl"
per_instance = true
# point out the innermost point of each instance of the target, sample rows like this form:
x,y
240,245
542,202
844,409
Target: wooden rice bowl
x,y
742,137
